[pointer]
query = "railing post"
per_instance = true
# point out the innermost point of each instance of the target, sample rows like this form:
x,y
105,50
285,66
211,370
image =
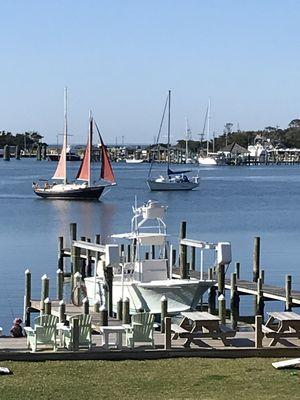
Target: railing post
x,y
288,293
258,331
27,300
163,312
256,258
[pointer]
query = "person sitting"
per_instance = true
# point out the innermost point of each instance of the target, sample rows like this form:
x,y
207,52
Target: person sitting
x,y
16,330
185,178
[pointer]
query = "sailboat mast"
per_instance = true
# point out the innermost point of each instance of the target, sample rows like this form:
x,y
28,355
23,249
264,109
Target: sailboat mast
x,y
169,126
90,144
186,139
208,127
64,150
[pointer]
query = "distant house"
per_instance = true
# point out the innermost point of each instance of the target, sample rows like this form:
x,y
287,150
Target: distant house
x,y
234,149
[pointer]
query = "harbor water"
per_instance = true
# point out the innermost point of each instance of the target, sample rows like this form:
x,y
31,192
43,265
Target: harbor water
x,y
231,204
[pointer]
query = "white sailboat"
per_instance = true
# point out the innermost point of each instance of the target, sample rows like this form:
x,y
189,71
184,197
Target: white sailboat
x,y
207,160
188,160
172,180
77,190
145,280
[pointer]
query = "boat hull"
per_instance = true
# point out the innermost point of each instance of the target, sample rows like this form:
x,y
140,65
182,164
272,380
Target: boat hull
x,y
170,186
89,193
182,294
70,157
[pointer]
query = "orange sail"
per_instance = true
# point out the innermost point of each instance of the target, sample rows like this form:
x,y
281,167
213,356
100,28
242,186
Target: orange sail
x,y
106,169
84,172
61,169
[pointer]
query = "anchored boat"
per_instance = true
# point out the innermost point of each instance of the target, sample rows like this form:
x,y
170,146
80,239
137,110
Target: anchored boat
x,y
173,180
84,190
147,276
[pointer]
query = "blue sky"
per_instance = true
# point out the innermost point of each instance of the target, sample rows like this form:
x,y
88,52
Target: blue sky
x,y
119,58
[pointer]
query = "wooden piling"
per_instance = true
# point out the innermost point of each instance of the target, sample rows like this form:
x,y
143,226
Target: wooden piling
x,y
17,152
76,288
288,293
212,300
44,291
210,274
237,270
221,279
62,312
86,306
167,341
184,274
128,253
258,331
60,284
174,257
103,316
27,300
108,272
119,309
60,261
47,306
6,153
39,153
75,322
234,302
259,299
193,259
98,239
262,276
146,255
222,308
163,312
256,258
153,252
125,311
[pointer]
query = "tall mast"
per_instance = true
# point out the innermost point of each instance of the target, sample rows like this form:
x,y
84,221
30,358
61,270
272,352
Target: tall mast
x,y
169,126
65,134
186,139
208,127
90,143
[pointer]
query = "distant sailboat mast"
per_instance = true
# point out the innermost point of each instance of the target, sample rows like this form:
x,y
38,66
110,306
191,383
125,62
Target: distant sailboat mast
x,y
61,169
187,137
208,128
169,127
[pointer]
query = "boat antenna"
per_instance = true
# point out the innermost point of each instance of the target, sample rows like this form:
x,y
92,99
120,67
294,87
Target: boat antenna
x,y
159,132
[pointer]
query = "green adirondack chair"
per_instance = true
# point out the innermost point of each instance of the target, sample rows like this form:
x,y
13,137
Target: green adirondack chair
x,y
140,330
43,333
85,332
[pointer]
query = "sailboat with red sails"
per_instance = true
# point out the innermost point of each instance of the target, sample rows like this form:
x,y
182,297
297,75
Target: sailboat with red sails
x,y
83,188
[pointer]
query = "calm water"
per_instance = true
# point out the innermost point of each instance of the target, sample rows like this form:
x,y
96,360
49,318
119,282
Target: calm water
x,y
232,204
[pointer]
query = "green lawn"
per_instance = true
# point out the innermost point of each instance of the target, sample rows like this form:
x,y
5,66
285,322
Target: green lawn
x,y
189,378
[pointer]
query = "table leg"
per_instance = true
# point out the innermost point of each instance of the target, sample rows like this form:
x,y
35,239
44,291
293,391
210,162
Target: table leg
x,y
269,321
277,337
105,340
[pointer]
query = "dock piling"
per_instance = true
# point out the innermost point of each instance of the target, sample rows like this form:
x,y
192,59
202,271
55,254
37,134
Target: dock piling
x,y
119,309
184,273
222,309
97,306
167,341
75,334
60,261
234,302
125,311
221,279
163,312
44,291
27,300
237,270
258,331
288,293
60,284
256,258
62,312
47,305
103,316
86,306
259,299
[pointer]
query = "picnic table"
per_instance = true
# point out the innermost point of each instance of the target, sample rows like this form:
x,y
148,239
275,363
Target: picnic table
x,y
281,325
196,325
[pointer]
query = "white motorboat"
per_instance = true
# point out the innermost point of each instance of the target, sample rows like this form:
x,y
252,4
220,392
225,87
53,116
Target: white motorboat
x,y
145,279
133,161
207,161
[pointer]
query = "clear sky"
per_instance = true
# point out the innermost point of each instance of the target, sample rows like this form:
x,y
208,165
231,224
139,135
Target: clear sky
x,y
119,58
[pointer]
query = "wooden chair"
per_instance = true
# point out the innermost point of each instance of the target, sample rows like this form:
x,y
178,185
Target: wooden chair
x,y
140,330
43,333
84,332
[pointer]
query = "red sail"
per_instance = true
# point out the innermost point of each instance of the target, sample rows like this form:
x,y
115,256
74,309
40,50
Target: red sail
x,y
84,172
106,169
61,169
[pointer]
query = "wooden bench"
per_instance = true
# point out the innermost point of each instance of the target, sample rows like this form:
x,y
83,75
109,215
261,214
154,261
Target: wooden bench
x,y
178,331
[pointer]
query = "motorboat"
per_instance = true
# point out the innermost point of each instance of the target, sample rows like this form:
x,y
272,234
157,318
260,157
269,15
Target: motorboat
x,y
147,275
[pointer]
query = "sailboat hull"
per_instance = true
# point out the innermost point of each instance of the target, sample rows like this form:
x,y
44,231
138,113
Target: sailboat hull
x,y
170,186
88,193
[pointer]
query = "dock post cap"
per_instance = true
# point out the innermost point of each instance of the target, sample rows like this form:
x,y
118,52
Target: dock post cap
x,y
103,308
47,300
85,300
221,297
59,271
27,271
44,277
77,275
62,302
163,298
